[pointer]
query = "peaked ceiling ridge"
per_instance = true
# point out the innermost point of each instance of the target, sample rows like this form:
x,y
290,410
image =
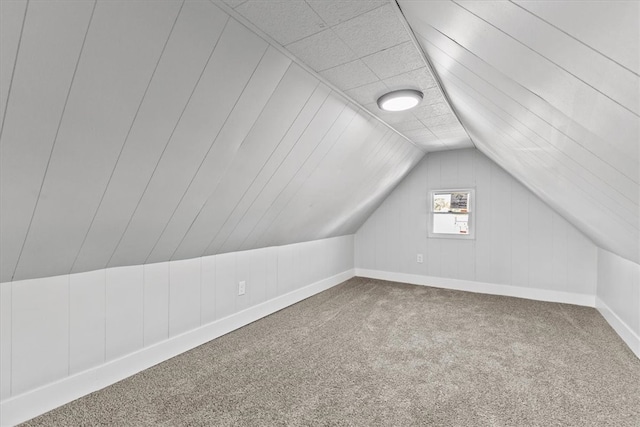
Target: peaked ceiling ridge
x,y
427,61
252,27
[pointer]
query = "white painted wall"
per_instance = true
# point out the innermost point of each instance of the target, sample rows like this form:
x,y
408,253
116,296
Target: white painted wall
x,y
521,245
77,332
618,296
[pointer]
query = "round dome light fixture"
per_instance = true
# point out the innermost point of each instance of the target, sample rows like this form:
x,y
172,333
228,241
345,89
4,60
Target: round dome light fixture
x,y
400,100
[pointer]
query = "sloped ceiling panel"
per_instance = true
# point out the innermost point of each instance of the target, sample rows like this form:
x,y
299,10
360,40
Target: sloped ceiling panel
x,y
138,131
550,91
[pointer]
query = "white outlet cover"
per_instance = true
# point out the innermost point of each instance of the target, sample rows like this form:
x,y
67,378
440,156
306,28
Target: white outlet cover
x,y
242,287
420,258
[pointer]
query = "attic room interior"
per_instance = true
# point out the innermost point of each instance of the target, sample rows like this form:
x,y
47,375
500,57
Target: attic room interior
x,y
223,212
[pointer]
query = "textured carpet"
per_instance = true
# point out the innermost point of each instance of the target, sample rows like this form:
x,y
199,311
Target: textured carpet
x,y
375,353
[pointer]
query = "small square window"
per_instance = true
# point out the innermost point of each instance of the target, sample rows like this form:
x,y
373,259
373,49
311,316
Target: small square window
x,y
451,214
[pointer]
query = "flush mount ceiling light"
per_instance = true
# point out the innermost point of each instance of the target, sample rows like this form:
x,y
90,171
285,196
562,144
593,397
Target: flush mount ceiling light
x,y
400,100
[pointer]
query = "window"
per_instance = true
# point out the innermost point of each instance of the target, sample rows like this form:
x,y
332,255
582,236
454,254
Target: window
x,y
451,214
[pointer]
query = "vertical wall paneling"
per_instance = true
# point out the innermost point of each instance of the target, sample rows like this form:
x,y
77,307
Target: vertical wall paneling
x,y
520,227
484,237
184,295
582,262
618,289
501,217
5,340
226,285
124,303
286,269
272,272
49,52
516,237
243,267
208,290
156,302
74,325
86,320
40,332
540,245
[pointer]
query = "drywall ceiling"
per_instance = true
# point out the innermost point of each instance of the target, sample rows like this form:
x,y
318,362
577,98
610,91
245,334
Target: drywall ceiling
x,y
135,132
364,49
550,90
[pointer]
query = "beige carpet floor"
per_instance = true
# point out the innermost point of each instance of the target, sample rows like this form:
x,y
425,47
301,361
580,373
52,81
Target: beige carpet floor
x,y
375,353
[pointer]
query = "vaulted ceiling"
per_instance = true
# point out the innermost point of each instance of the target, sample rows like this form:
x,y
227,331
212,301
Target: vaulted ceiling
x,y
136,131
550,91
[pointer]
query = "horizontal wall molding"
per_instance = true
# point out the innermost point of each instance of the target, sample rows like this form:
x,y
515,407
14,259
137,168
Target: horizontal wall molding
x,y
622,329
38,401
481,288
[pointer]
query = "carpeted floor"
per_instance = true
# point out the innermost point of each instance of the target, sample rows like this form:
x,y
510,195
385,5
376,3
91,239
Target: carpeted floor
x,y
375,353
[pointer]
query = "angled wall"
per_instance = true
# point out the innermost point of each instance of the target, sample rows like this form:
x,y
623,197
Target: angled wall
x,y
521,246
142,132
549,90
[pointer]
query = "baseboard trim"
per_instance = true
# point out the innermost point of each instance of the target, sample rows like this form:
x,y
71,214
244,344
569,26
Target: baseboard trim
x,y
622,329
28,405
481,287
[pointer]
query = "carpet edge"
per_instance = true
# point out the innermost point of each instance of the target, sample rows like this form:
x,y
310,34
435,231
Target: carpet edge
x,y
35,402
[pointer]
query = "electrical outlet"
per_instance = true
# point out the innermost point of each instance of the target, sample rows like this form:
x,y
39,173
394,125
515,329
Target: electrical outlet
x,y
242,287
419,258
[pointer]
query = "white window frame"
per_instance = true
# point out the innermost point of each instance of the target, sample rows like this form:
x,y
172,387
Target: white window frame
x,y
471,226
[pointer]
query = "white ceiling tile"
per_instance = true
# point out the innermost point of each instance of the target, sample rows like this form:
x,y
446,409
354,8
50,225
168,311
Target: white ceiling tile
x,y
426,112
420,134
350,75
368,94
271,16
415,79
373,31
322,51
396,60
335,12
439,121
412,124
432,96
393,117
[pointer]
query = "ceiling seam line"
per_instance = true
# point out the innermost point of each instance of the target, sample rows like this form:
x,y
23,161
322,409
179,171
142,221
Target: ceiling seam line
x,y
213,142
430,66
55,138
293,122
548,59
526,90
541,137
13,69
258,239
298,170
307,178
126,138
589,196
195,218
186,105
286,156
574,38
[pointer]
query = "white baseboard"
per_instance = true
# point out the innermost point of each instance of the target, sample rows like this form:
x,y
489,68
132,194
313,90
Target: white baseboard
x,y
481,288
627,334
38,401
